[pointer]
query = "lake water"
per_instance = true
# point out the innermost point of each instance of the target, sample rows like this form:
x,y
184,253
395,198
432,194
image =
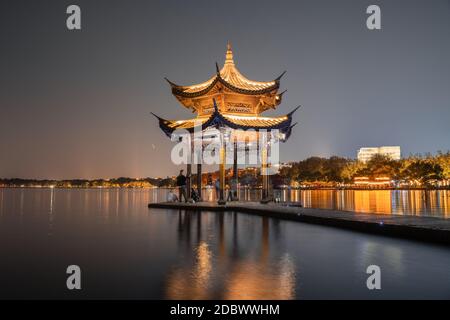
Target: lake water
x,y
403,202
126,250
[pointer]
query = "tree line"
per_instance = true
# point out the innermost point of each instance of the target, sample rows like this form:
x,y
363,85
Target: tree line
x,y
418,169
421,170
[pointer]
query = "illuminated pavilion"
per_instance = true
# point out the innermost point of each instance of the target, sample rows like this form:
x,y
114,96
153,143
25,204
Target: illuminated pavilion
x,y
232,104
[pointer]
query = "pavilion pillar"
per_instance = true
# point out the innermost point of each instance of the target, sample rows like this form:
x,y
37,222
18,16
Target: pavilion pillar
x,y
265,170
188,180
197,152
222,159
265,181
199,180
235,170
189,171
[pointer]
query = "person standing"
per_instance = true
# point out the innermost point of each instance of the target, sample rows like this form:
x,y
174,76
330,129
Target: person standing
x,y
234,189
230,194
181,184
217,187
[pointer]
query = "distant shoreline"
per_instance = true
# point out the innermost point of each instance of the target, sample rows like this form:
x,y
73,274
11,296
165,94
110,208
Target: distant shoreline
x,y
251,188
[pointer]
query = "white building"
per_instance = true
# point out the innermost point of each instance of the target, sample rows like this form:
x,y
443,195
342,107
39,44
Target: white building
x,y
365,154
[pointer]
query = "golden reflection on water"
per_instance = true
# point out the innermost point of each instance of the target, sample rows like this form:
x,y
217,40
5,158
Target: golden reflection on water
x,y
403,202
219,271
253,280
367,201
193,284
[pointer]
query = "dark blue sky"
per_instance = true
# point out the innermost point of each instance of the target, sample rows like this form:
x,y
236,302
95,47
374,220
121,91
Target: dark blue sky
x,y
77,104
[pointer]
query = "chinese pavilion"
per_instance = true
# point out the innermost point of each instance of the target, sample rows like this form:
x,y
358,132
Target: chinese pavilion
x,y
231,104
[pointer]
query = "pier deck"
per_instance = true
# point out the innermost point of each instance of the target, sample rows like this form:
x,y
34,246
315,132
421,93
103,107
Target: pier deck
x,y
405,226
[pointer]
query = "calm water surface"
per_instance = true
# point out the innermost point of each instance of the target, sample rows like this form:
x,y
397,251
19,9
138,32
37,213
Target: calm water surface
x,y
126,251
403,202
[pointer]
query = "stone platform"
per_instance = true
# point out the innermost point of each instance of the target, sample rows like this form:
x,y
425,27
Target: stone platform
x,y
411,227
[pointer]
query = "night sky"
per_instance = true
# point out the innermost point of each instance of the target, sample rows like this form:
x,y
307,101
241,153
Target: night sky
x,y
76,104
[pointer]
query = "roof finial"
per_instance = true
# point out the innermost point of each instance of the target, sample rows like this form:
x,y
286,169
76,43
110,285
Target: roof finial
x,y
229,55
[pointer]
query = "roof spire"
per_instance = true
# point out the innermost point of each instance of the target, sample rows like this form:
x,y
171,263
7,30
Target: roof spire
x,y
229,55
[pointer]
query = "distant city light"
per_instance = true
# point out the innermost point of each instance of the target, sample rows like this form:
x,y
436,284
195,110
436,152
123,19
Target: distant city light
x,y
367,153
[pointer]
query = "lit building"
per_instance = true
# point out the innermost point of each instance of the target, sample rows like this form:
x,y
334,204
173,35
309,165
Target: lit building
x,y
365,154
377,182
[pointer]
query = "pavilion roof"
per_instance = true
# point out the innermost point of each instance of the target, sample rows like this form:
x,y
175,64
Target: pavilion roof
x,y
237,122
231,78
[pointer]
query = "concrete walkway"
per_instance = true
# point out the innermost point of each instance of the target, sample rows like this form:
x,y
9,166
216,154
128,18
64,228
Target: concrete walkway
x,y
411,227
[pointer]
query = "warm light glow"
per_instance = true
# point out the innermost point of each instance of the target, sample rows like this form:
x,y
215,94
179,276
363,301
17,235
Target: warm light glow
x,y
237,117
231,74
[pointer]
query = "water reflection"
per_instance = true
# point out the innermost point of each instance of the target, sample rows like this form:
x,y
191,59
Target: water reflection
x,y
112,201
229,264
195,283
130,251
402,202
393,256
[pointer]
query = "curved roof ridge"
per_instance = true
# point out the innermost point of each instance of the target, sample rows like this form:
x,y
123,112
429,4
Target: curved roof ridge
x,y
232,121
231,77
